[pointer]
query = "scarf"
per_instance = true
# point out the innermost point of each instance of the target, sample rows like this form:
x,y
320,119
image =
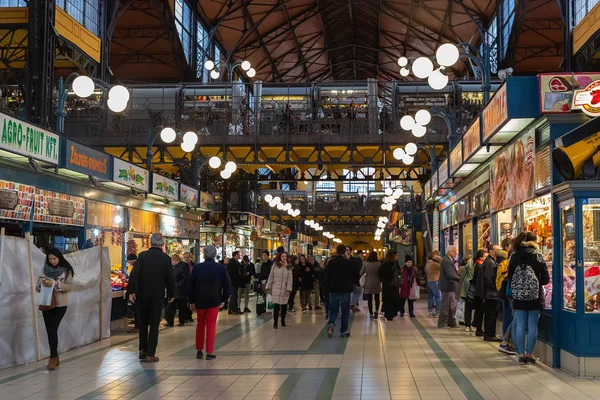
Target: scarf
x,y
54,272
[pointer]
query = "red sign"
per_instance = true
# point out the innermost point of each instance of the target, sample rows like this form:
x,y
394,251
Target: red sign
x,y
588,99
495,113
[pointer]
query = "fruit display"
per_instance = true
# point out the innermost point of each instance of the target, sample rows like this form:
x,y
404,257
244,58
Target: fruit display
x,y
118,280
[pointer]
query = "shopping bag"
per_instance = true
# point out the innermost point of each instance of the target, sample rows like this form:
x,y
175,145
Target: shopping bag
x,y
415,292
270,305
460,311
45,296
261,305
363,281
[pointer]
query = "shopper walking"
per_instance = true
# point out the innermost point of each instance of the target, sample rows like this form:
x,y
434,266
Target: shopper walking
x,y
341,278
209,289
409,279
248,272
306,281
265,271
151,276
293,261
390,275
181,273
372,287
507,312
467,286
234,269
357,292
58,275
280,284
434,295
318,275
527,273
448,285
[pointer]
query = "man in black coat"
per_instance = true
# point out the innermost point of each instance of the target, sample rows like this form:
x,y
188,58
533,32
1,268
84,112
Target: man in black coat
x,y
151,276
265,271
341,275
234,269
487,297
248,271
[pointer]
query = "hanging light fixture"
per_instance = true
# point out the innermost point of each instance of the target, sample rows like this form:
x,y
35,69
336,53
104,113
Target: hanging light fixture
x,y
398,153
246,65
437,80
168,135
215,162
418,130
423,117
422,67
190,137
215,74
209,65
410,149
407,122
188,147
447,54
268,196
403,61
83,86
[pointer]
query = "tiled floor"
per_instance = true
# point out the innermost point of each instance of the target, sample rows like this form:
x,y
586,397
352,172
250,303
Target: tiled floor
x,y
404,359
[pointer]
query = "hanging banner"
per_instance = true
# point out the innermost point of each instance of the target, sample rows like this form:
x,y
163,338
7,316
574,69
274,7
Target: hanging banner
x,y
207,201
456,157
28,140
130,175
495,113
88,161
165,187
58,208
443,174
16,200
472,139
556,90
188,195
512,179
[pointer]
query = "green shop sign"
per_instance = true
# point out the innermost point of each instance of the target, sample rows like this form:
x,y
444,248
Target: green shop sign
x,y
28,140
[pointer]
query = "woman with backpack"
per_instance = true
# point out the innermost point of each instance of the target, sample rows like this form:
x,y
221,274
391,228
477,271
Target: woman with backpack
x,y
389,274
527,273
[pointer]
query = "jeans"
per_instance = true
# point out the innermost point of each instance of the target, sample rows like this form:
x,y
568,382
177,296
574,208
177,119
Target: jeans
x,y
370,301
244,291
150,310
177,304
356,296
411,306
434,296
305,296
507,315
52,319
525,321
207,323
337,300
447,310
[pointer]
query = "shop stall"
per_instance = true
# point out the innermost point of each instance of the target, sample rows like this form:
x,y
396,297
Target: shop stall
x,y
181,235
142,224
16,204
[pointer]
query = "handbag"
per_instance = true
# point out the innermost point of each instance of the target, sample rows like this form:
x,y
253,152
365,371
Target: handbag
x,y
270,305
261,305
363,281
415,291
460,311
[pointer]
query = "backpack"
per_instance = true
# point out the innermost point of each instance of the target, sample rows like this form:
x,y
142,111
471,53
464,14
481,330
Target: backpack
x,y
525,284
501,275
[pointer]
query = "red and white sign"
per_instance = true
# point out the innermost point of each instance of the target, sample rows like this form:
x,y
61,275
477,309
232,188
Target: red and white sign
x,y
588,99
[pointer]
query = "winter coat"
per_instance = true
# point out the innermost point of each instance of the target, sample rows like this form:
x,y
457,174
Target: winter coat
x,y
373,283
432,269
250,270
409,274
181,272
485,285
234,269
306,278
265,270
280,284
341,274
448,276
317,271
528,254
465,279
204,274
386,273
152,275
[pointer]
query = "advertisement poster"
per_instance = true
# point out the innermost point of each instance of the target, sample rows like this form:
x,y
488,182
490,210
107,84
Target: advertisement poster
x,y
28,140
165,187
189,196
16,200
58,208
170,226
471,140
495,113
443,174
427,190
130,175
556,90
456,157
512,175
88,161
207,201
588,99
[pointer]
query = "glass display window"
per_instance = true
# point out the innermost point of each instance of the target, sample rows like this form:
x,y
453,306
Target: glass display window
x,y
467,239
591,255
484,233
504,224
568,255
537,214
455,237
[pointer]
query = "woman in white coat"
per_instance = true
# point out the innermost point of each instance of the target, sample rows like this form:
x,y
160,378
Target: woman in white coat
x,y
280,286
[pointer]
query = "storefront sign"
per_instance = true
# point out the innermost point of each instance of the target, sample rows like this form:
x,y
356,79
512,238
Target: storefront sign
x,y
456,157
472,139
427,190
434,183
495,113
58,208
165,187
188,195
588,99
28,140
443,173
556,90
88,161
543,177
436,230
512,176
130,175
16,200
207,201
170,226
481,199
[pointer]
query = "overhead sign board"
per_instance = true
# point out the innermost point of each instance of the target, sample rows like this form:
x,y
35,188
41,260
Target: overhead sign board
x,y
28,140
495,113
80,158
130,175
588,99
188,195
556,90
472,139
165,187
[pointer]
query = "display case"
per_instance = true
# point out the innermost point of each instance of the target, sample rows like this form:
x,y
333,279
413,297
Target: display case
x,y
569,270
591,255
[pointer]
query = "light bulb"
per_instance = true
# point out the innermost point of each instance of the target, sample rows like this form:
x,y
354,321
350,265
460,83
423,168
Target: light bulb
x,y
168,135
404,71
384,206
246,65
215,162
398,153
277,200
398,192
83,86
188,147
447,54
410,148
272,203
268,197
116,105
388,191
407,122
280,207
408,159
215,74
225,174
403,61
231,166
422,67
437,80
209,65
287,206
418,130
306,222
251,73
190,137
119,93
423,117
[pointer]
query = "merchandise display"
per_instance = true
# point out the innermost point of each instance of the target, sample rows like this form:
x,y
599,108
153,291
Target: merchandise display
x,y
538,219
591,256
568,254
484,233
504,219
467,239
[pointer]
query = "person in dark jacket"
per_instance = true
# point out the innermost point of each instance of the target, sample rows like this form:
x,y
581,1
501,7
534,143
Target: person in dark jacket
x,y
526,269
151,276
409,276
448,282
486,297
341,277
188,260
265,271
318,275
209,289
293,261
357,293
389,290
131,259
181,272
306,281
234,269
248,271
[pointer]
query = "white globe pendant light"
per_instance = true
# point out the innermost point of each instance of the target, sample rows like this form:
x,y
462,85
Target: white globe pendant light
x,y
225,174
408,159
422,67
398,192
215,162
407,122
116,105
423,117
403,61
268,197
168,135
246,65
398,153
384,206
388,191
280,207
404,71
190,137
209,65
83,86
411,149
447,54
418,130
306,222
251,73
188,147
230,166
437,80
215,74
119,93
277,200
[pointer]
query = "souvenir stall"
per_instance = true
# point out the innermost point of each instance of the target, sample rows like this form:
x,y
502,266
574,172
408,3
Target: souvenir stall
x,y
209,236
16,203
172,229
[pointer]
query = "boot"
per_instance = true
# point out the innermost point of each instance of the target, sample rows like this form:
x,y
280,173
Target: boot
x,y
283,313
275,315
52,363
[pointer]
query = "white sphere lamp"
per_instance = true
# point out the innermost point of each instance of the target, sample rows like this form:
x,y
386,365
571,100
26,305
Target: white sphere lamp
x,y
388,191
447,54
119,93
418,130
188,147
231,166
225,174
437,80
209,65
411,149
215,162
404,71
215,74
268,196
422,67
399,153
168,135
116,105
407,122
403,61
408,159
423,117
246,65
251,73
190,137
83,86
